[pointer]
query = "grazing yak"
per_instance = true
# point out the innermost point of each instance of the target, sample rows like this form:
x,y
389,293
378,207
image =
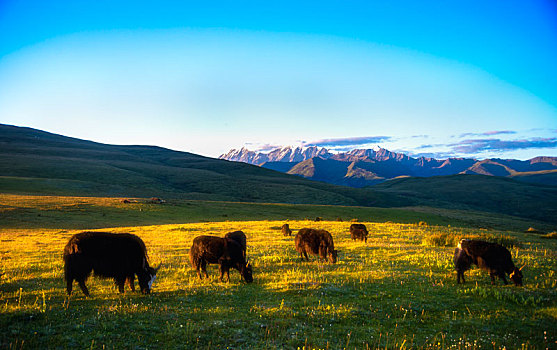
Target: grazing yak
x,y
492,257
110,255
358,232
223,251
240,238
315,242
286,231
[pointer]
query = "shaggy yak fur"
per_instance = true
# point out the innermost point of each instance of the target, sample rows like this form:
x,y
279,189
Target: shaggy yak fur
x,y
491,257
223,251
110,255
315,242
286,231
358,232
240,238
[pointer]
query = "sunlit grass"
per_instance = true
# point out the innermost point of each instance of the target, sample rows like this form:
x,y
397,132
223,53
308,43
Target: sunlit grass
x,y
396,291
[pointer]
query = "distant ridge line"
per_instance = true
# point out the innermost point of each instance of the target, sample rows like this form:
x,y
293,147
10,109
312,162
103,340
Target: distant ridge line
x,y
365,167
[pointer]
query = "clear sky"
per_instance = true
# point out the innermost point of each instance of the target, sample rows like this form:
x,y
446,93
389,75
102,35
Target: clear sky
x,y
436,78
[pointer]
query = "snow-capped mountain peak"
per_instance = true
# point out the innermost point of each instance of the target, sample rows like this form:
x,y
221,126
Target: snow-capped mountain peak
x,y
283,154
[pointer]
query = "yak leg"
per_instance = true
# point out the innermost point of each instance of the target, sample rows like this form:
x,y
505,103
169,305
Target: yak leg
x,y
131,280
69,283
227,270
198,269
502,277
221,269
203,265
224,268
460,276
492,275
69,287
83,287
120,281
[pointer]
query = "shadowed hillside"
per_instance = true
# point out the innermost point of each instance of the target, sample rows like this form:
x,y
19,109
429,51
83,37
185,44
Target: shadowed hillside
x,y
37,162
488,193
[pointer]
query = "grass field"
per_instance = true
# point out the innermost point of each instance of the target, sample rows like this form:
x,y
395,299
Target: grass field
x,y
398,291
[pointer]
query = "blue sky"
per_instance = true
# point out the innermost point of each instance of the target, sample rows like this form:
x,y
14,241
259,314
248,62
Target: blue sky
x,y
451,78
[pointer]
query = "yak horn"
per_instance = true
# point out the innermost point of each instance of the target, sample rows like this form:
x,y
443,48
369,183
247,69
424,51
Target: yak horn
x,y
521,267
158,267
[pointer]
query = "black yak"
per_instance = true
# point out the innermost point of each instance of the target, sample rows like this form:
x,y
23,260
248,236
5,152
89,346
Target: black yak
x,y
110,255
358,232
492,257
286,231
315,242
240,238
223,251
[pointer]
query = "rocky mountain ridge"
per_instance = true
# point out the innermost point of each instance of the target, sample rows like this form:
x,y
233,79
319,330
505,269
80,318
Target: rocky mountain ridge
x,y
365,167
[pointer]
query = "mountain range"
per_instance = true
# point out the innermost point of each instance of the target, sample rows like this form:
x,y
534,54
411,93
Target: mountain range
x,y
365,167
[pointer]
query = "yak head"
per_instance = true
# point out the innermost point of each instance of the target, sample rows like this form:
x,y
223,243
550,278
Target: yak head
x,y
247,272
146,278
516,276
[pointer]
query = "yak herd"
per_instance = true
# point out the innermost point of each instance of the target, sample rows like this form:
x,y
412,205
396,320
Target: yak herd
x,y
122,256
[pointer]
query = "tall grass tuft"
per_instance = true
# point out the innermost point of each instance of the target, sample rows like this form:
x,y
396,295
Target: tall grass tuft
x,y
451,239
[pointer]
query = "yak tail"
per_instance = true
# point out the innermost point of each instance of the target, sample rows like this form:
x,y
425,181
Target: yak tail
x,y
194,261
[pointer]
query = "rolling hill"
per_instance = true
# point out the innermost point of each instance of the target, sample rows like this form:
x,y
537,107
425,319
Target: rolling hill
x,y
488,193
37,162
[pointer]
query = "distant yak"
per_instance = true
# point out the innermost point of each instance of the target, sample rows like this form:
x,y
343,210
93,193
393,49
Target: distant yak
x,y
315,242
286,231
110,255
492,257
358,232
225,252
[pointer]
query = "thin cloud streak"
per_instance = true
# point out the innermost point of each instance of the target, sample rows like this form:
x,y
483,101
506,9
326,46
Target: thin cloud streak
x,y
264,148
489,133
482,145
348,141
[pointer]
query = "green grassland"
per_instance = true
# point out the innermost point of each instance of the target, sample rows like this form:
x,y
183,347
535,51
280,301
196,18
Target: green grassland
x,y
63,212
397,291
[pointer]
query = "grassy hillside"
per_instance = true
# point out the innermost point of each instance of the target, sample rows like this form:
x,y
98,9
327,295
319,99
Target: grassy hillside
x,y
486,193
36,162
547,177
53,212
397,291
